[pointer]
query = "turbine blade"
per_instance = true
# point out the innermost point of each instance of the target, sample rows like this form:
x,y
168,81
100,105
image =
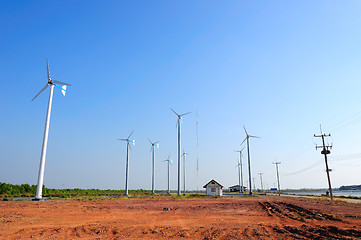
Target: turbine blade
x,y
150,141
254,136
42,90
185,113
47,68
62,83
174,112
243,141
122,139
63,91
130,134
156,142
245,129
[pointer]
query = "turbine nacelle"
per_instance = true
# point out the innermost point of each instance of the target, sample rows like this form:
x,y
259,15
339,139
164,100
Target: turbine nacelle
x,y
169,161
179,115
154,144
52,82
128,140
247,135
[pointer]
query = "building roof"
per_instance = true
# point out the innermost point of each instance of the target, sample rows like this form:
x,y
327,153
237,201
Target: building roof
x,y
236,186
213,182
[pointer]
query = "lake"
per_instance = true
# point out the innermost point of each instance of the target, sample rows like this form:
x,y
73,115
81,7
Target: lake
x,y
346,193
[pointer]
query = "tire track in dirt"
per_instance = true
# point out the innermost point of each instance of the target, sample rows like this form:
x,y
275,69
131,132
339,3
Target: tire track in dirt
x,y
292,211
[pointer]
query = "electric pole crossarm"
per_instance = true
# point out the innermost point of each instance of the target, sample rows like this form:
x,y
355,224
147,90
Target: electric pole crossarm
x,y
325,135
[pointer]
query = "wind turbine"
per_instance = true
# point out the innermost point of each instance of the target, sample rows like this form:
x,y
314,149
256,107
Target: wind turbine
x,y
184,171
249,159
240,171
127,164
52,83
154,145
179,148
169,163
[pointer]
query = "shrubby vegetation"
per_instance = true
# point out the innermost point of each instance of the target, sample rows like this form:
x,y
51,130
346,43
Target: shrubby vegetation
x,y
17,190
26,190
9,191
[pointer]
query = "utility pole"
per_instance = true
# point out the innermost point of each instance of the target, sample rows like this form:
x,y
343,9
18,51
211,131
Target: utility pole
x,y
240,171
184,172
278,178
260,175
239,177
254,184
197,151
325,151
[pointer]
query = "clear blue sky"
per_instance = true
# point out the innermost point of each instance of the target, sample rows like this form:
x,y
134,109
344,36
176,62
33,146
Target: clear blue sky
x,y
279,67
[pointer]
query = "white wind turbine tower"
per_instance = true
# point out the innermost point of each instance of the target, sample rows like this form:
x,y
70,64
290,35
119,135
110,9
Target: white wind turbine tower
x,y
52,83
179,148
249,159
240,171
184,171
169,163
127,163
154,145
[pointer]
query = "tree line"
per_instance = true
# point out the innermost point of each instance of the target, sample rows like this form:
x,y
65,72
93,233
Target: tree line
x,y
7,189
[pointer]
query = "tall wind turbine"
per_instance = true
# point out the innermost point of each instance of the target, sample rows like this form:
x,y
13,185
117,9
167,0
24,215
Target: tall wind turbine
x,y
127,164
240,171
184,171
154,145
52,83
249,159
179,148
169,163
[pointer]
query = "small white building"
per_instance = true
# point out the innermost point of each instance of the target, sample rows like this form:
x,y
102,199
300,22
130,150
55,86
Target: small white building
x,y
213,188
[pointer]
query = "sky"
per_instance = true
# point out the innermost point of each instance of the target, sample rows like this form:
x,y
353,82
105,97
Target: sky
x,y
280,68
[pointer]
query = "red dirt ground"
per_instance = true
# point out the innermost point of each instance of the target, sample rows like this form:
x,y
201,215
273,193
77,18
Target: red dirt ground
x,y
162,218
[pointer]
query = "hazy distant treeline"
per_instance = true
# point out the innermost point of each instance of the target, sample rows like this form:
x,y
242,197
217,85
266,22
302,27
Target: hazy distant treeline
x,y
30,190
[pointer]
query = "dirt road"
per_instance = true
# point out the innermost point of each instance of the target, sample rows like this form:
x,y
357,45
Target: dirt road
x,y
163,218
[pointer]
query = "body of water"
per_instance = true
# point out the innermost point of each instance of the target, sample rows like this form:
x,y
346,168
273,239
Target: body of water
x,y
346,193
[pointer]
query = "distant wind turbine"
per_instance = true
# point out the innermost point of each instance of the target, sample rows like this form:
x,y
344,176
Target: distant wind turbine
x,y
240,171
184,171
249,158
169,163
154,145
127,164
179,148
52,83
